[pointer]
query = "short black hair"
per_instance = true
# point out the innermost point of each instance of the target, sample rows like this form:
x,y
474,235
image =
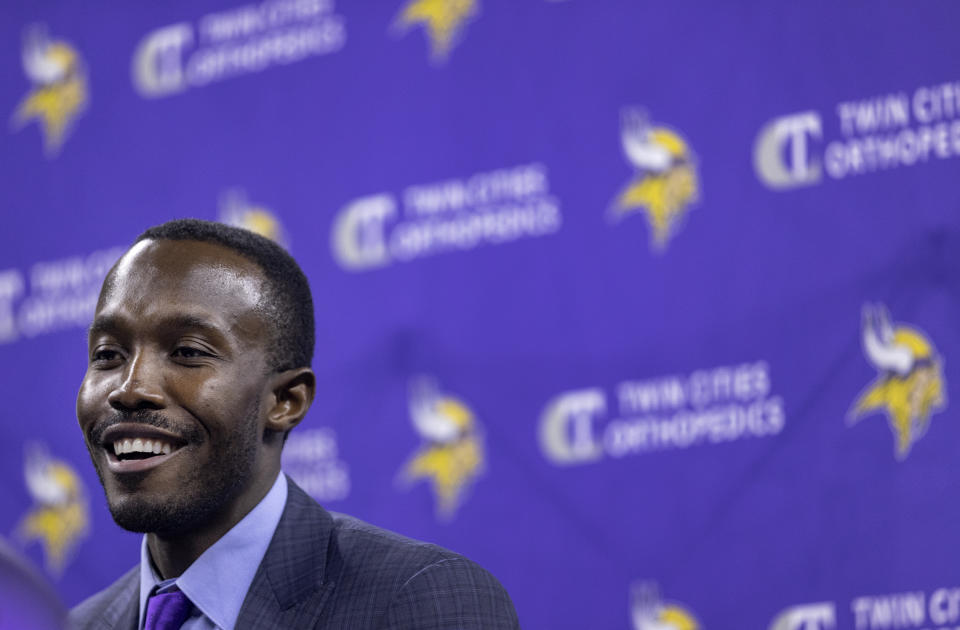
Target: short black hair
x,y
287,303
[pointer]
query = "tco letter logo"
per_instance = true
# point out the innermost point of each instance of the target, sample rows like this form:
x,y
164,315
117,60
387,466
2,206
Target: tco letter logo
x,y
821,616
566,427
781,154
358,238
158,61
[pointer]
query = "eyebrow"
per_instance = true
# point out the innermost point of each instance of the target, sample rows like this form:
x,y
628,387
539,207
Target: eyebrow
x,y
112,323
103,324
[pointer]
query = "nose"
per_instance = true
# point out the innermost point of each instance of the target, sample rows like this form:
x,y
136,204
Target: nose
x,y
140,386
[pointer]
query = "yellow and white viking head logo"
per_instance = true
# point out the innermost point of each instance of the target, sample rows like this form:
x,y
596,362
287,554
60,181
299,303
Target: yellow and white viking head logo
x,y
909,386
60,516
451,455
665,184
650,612
59,91
443,21
235,210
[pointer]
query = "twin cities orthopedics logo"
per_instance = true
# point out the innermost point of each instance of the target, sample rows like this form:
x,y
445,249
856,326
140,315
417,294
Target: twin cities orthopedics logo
x,y
938,610
443,21
707,407
237,211
648,611
909,387
61,294
665,183
454,215
897,130
451,455
238,41
312,459
60,516
60,92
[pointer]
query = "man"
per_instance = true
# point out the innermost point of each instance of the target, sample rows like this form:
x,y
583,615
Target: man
x,y
199,358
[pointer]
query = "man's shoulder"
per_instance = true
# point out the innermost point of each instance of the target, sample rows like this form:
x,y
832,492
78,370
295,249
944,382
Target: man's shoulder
x,y
408,580
360,542
355,546
109,604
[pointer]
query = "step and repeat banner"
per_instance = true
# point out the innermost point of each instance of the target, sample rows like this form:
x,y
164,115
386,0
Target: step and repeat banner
x,y
653,309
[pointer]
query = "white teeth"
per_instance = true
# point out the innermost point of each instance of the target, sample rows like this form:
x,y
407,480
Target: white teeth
x,y
139,445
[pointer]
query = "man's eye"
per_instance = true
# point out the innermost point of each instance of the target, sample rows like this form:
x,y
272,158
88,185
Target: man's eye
x,y
186,352
105,356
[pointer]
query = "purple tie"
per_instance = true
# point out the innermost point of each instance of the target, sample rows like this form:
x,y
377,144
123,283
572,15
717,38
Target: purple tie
x,y
167,611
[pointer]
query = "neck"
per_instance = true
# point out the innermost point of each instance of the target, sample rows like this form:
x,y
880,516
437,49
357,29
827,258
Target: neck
x,y
172,554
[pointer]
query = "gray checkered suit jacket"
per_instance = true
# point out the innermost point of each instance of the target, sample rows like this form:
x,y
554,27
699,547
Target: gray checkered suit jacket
x,y
333,571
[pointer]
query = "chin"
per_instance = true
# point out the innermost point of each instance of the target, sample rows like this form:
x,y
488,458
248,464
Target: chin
x,y
139,508
138,515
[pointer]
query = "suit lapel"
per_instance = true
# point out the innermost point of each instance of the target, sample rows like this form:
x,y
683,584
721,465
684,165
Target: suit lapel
x,y
129,617
123,613
289,589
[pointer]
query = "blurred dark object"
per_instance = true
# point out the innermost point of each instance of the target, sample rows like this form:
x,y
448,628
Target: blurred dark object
x,y
27,602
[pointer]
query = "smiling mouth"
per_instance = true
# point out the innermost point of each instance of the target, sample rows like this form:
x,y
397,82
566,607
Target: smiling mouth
x,y
138,448
132,447
139,455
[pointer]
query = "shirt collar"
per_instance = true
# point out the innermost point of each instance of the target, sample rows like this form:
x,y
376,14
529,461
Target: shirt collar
x,y
217,582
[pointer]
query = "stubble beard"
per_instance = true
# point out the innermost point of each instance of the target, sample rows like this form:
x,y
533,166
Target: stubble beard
x,y
201,498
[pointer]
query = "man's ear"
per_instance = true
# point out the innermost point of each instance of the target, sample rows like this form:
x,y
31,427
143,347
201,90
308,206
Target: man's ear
x,y
293,392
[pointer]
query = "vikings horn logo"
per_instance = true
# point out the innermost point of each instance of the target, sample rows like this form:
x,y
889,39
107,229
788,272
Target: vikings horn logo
x,y
60,516
235,210
59,91
451,456
443,20
909,384
650,612
665,184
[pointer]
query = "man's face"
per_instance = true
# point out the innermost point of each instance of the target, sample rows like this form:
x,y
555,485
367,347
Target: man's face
x,y
177,367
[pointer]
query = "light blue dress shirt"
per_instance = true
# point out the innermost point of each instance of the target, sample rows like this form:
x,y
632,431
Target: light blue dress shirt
x,y
217,582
